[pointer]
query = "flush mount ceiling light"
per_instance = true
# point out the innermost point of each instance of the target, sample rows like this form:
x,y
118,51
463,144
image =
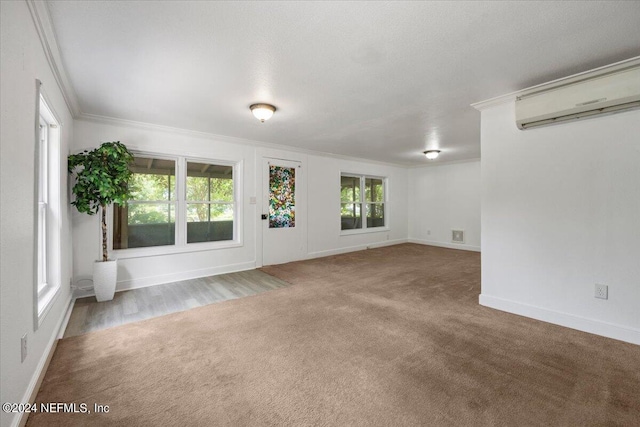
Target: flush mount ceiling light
x,y
262,112
432,154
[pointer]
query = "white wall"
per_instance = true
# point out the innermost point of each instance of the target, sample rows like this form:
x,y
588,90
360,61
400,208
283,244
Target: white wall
x,y
445,197
324,206
323,190
142,271
560,213
23,61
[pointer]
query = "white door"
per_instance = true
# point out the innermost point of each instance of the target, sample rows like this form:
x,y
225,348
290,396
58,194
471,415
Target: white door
x,y
283,211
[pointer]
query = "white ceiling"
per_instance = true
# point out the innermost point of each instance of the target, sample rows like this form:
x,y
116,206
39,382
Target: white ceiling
x,y
376,80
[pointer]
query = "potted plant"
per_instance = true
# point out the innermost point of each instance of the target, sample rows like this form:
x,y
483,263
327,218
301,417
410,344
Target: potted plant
x,y
102,178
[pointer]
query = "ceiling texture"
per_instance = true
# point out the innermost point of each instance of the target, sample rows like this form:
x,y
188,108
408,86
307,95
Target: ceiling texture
x,y
375,80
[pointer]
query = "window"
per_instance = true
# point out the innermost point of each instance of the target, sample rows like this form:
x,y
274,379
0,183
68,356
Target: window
x,y
209,202
374,198
43,196
149,217
351,212
360,194
47,234
177,202
282,196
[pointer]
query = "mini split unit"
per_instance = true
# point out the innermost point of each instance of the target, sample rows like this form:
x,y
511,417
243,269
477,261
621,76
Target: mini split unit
x,y
604,91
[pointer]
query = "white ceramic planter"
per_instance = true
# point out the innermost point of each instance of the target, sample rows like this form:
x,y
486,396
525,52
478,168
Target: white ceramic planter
x,y
104,279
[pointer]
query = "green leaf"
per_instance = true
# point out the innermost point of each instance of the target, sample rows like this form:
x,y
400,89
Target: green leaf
x,y
101,176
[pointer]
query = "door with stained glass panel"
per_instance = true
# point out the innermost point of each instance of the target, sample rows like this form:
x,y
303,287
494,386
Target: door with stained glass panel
x,y
283,212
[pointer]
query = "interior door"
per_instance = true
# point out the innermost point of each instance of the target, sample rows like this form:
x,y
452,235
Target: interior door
x,y
283,211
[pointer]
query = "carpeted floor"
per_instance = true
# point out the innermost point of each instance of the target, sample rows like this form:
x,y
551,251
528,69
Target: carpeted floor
x,y
384,337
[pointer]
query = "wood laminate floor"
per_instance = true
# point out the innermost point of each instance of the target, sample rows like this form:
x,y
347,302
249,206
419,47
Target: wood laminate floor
x,y
138,304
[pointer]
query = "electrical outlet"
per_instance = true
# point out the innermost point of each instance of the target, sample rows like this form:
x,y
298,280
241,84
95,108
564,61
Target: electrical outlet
x,y
23,348
602,291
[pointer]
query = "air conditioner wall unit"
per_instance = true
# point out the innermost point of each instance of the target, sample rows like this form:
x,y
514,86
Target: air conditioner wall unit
x,y
584,96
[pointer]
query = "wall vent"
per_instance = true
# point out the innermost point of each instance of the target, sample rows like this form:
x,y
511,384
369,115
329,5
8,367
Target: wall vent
x,y
457,236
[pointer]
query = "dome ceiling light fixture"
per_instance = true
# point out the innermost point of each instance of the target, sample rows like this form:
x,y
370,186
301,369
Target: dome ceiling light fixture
x,y
262,112
432,154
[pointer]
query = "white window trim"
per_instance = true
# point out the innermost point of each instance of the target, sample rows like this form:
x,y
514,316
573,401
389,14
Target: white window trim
x,y
45,294
43,208
181,245
363,203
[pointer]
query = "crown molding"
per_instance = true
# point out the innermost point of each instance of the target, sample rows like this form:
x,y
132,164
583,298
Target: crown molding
x,y
492,102
511,97
114,121
42,20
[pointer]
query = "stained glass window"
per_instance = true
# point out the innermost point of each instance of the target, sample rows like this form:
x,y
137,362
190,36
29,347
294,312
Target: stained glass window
x,y
282,197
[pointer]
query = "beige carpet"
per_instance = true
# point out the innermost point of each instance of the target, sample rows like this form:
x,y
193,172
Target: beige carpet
x,y
384,337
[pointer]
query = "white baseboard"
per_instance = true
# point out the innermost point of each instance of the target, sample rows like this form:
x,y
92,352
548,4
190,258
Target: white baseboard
x,y
445,245
320,254
36,379
584,324
65,319
143,282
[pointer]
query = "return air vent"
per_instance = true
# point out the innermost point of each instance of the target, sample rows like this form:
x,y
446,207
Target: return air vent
x,y
457,236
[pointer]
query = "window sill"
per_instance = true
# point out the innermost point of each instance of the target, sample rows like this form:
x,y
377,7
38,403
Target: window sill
x,y
364,231
173,249
45,302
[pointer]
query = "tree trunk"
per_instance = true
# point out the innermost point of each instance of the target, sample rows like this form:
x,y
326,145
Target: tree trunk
x,y
104,233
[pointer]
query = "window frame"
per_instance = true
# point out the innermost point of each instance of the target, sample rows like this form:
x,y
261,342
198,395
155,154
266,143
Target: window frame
x,y
47,211
234,203
359,203
363,204
43,208
180,203
169,202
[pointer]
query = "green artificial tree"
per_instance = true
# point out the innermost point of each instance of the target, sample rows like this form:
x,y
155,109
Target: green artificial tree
x,y
102,178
